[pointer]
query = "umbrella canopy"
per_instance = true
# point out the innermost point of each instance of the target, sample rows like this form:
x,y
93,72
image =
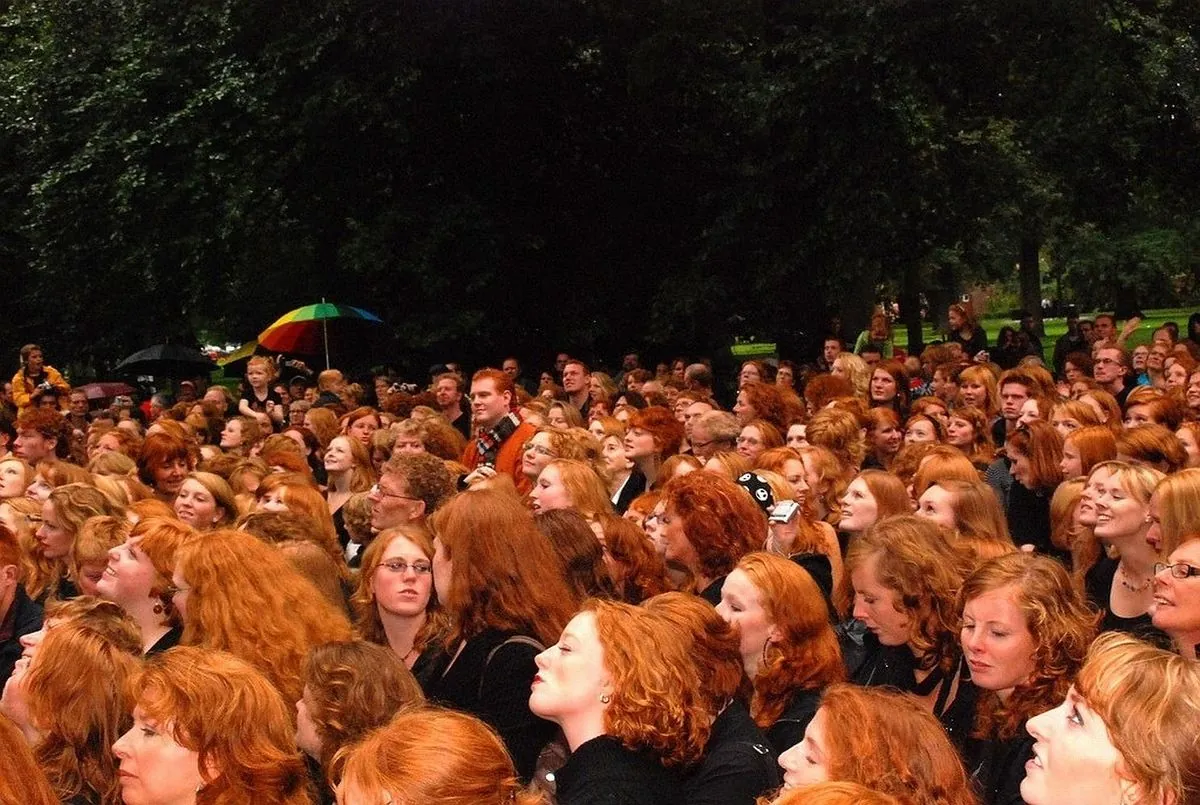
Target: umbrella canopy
x,y
169,360
103,391
305,330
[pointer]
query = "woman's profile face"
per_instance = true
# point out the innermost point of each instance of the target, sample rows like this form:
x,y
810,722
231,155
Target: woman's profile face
x,y
859,509
155,768
807,763
1074,759
571,677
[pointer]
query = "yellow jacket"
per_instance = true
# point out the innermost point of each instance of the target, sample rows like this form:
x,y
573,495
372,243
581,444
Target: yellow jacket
x,y
23,387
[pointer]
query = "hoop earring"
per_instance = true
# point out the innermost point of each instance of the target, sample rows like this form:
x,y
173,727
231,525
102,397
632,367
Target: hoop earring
x,y
766,645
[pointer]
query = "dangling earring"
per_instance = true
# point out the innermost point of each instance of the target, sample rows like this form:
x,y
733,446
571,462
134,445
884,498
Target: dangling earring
x,y
605,698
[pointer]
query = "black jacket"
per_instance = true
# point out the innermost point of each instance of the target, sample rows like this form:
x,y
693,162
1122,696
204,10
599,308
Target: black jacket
x,y
788,729
603,772
998,767
490,679
738,765
22,618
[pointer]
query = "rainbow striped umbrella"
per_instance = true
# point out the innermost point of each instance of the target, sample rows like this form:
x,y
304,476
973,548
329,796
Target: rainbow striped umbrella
x,y
305,330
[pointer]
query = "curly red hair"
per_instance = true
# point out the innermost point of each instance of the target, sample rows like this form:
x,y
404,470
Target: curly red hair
x,y
644,574
768,403
715,647
247,599
720,520
807,657
890,742
226,711
657,702
661,423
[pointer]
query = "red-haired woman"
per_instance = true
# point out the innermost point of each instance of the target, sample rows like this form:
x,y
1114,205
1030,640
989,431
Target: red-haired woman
x,y
238,594
63,516
889,388
964,329
884,438
738,765
360,423
350,688
504,593
624,689
653,435
788,647
881,739
21,779
905,575
634,566
1025,632
708,524
762,401
164,463
1036,453
69,700
349,470
209,728
395,605
431,755
872,496
138,579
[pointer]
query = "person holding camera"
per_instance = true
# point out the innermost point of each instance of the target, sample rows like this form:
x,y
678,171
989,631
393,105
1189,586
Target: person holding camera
x,y
34,376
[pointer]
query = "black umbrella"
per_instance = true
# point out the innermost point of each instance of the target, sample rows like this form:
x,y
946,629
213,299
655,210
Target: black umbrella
x,y
170,360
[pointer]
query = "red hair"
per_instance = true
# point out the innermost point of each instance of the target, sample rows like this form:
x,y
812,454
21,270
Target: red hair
x,y
428,754
768,403
158,450
226,711
715,645
657,702
21,779
1042,445
661,423
807,657
160,539
505,574
890,742
720,520
645,575
76,700
503,382
247,599
300,494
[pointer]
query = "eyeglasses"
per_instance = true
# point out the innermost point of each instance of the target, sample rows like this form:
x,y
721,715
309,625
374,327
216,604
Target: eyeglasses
x,y
537,448
379,491
1099,361
399,566
1180,570
702,445
173,591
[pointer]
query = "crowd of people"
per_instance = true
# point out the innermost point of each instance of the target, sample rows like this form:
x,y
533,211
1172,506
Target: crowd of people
x,y
957,577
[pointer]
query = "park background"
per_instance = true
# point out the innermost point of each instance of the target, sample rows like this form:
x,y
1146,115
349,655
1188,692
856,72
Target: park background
x,y
524,177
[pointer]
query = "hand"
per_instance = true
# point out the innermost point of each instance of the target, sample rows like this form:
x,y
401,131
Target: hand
x,y
482,473
44,386
982,356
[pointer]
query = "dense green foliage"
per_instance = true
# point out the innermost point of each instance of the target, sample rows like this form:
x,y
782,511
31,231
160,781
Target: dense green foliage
x,y
496,176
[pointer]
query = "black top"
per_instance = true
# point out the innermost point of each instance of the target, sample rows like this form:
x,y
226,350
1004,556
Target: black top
x,y
603,772
496,690
788,729
1097,583
462,424
430,665
167,641
738,765
22,618
976,343
634,485
260,405
1029,517
998,767
819,567
712,593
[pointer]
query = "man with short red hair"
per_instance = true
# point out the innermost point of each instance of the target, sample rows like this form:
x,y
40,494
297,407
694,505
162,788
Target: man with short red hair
x,y
500,435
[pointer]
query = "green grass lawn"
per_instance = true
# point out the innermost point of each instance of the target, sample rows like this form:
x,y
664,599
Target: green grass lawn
x,y
1056,327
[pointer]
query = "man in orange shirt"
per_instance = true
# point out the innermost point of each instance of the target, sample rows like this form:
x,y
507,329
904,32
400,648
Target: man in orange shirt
x,y
500,435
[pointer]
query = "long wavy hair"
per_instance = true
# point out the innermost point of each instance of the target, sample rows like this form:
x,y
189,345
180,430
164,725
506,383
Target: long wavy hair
x,y
720,520
301,494
367,622
428,754
21,779
807,656
1095,443
247,599
77,702
715,646
890,742
657,703
362,473
914,559
579,550
1062,626
505,574
643,572
589,494
229,713
351,687
840,432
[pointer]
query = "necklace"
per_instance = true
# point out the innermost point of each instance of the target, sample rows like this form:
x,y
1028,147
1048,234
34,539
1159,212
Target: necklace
x,y
1130,587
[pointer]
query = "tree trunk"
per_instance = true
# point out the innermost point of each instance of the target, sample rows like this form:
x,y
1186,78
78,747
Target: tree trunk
x,y
1031,281
910,306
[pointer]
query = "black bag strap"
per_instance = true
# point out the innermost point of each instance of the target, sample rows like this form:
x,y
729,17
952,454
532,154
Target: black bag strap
x,y
520,639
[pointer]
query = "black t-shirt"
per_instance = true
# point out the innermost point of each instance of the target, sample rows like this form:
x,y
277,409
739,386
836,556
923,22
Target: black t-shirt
x,y
260,406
